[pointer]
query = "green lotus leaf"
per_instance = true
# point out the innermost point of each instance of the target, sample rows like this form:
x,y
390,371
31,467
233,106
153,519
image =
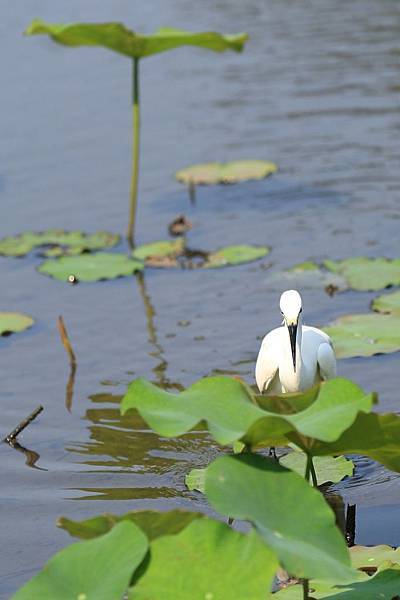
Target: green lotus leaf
x,y
90,267
385,585
373,435
207,560
12,322
152,522
116,37
372,557
232,172
328,469
195,480
98,569
231,412
306,275
256,489
387,303
365,335
234,255
367,274
61,242
163,248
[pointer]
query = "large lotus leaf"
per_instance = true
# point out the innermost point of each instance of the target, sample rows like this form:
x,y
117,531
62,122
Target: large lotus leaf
x,y
387,303
328,469
385,585
306,275
367,274
161,249
207,561
234,255
253,488
61,242
90,267
98,569
232,172
115,36
373,435
372,557
230,411
12,322
152,522
365,335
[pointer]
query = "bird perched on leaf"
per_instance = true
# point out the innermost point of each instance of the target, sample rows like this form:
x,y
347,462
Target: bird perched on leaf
x,y
294,357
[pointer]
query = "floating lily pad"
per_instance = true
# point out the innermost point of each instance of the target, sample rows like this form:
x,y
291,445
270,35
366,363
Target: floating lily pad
x,y
115,36
12,322
173,254
90,267
372,557
207,561
232,172
367,274
328,469
385,585
98,569
60,242
387,303
306,275
195,480
365,335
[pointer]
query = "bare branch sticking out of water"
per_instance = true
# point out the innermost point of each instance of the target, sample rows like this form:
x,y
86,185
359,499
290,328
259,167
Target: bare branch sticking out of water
x,y
11,437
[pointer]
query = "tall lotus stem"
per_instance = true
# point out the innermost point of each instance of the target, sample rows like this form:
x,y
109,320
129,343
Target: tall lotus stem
x,y
135,153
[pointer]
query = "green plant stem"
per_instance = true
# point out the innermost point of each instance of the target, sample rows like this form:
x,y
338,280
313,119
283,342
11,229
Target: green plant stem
x,y
306,589
308,468
135,153
313,473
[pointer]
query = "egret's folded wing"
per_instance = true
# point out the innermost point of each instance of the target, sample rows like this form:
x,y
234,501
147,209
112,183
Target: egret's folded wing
x,y
267,362
326,361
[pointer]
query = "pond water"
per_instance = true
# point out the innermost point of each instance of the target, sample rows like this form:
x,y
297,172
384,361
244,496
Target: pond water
x,y
317,92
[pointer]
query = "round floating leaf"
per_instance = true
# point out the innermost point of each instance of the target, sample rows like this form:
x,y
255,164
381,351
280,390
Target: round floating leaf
x,y
98,569
232,172
253,488
385,585
365,335
234,255
115,36
61,242
11,322
90,267
152,522
161,249
367,274
307,275
195,480
328,469
372,557
387,303
207,561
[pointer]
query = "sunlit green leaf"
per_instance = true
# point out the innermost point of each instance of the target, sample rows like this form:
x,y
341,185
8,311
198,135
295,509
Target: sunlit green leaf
x,y
367,274
292,517
385,585
60,242
387,303
369,557
365,335
115,36
207,561
235,255
328,469
98,569
90,267
12,322
195,480
162,248
152,522
232,172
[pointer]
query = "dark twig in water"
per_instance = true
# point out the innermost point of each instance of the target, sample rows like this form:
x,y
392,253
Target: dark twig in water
x,y
65,340
11,437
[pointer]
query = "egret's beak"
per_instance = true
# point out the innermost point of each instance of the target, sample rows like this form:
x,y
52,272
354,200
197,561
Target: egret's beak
x,y
292,328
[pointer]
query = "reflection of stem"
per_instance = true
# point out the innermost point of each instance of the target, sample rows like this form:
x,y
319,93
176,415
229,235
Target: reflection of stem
x,y
31,456
351,524
135,153
161,367
192,192
69,392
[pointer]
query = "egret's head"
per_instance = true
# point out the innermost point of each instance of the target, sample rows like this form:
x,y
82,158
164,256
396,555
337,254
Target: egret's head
x,y
291,307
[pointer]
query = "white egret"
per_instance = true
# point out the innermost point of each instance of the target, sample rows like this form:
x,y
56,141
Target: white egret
x,y
294,357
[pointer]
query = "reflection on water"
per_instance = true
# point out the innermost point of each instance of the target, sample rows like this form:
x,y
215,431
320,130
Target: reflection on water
x,y
31,457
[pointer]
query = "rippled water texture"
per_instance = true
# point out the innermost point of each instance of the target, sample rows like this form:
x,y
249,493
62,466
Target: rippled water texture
x,y
316,91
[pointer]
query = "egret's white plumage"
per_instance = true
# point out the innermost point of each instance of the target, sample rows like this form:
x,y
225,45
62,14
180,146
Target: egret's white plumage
x,y
294,357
